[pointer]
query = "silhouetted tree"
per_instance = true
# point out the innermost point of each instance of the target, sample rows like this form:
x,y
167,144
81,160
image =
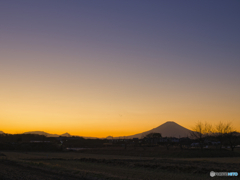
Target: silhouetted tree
x,y
154,135
226,134
232,139
223,130
200,131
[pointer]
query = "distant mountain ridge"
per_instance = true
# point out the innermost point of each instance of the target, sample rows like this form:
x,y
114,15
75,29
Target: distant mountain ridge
x,y
56,135
168,129
47,134
66,135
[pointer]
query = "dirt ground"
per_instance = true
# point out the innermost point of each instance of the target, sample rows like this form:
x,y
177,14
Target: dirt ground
x,y
11,170
83,166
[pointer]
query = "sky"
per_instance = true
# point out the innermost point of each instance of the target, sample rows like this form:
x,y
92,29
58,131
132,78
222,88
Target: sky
x,y
111,67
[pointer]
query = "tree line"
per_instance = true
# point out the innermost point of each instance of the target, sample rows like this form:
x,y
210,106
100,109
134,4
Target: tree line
x,y
224,133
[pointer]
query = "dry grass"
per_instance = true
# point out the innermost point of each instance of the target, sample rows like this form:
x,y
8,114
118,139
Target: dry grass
x,y
97,166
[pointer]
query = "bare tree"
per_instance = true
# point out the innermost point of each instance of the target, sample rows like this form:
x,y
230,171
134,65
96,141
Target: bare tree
x,y
233,139
222,130
225,133
200,131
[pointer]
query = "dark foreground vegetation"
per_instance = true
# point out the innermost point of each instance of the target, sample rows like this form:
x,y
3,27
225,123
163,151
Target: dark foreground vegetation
x,y
161,152
210,145
85,166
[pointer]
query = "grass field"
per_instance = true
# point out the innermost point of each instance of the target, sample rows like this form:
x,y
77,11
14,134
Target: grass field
x,y
82,165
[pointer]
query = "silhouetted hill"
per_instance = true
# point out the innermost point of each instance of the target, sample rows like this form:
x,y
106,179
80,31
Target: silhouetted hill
x,y
168,129
66,135
42,133
2,132
109,137
56,135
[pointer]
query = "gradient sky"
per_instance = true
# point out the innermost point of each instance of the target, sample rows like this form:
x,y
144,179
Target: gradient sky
x,y
99,68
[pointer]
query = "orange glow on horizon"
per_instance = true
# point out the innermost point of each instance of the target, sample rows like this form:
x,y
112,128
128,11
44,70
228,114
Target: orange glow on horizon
x,y
106,93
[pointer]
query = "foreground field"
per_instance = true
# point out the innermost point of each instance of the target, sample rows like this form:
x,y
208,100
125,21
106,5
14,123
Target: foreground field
x,y
72,165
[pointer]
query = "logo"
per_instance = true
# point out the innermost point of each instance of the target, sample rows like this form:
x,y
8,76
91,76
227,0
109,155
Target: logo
x,y
232,174
212,173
